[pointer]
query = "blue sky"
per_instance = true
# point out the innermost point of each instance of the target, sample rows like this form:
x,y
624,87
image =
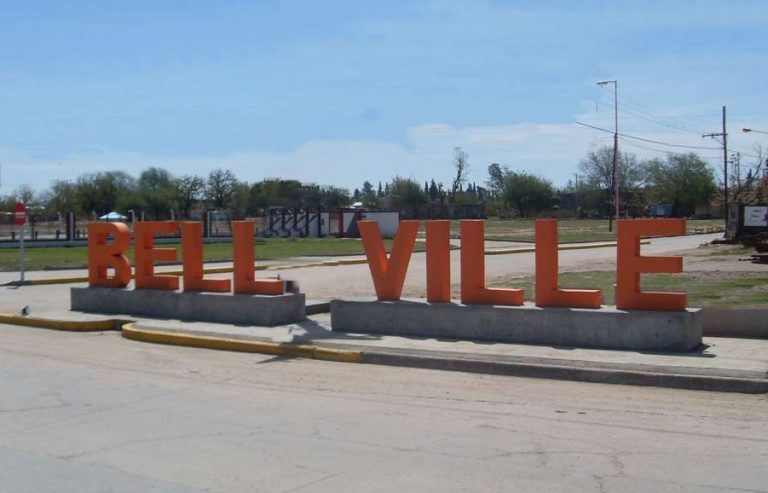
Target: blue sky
x,y
338,92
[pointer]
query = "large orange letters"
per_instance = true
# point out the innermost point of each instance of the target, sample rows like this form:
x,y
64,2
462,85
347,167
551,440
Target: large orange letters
x,y
629,265
388,274
192,248
147,254
102,256
473,290
244,258
547,291
438,261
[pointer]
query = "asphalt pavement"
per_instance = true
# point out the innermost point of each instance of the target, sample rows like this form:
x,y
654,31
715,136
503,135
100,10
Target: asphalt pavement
x,y
95,412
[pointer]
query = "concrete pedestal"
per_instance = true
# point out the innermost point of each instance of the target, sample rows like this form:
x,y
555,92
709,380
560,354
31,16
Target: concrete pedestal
x,y
202,307
606,327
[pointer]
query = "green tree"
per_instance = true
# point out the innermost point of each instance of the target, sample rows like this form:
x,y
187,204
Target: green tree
x,y
495,180
334,197
220,187
158,192
274,192
682,180
368,195
100,193
189,190
527,193
433,193
405,192
62,197
239,202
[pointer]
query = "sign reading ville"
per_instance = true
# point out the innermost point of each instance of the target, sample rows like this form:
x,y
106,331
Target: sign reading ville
x,y
388,271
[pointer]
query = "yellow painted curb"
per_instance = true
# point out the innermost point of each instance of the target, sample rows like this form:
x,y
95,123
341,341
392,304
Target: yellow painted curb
x,y
564,246
352,261
130,331
68,325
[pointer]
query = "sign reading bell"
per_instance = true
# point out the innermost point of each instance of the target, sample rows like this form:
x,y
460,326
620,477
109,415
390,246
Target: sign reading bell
x,y
108,243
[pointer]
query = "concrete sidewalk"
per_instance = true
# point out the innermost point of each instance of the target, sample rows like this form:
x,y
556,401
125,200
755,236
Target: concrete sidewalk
x,y
722,364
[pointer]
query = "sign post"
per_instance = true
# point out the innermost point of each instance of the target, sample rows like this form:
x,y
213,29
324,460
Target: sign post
x,y
20,218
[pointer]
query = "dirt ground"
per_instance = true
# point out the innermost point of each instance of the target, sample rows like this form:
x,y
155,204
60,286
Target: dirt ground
x,y
705,258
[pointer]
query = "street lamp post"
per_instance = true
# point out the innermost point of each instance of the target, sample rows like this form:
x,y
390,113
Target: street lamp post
x,y
614,170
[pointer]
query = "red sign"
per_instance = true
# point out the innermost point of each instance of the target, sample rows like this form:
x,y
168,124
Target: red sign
x,y
20,215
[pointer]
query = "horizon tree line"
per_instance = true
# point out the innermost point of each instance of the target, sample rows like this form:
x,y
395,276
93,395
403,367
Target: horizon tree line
x,y
683,181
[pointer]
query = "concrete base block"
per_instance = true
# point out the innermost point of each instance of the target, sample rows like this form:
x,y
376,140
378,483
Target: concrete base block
x,y
202,307
606,327
744,322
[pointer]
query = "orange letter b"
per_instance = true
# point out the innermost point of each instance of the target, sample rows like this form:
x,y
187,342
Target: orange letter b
x,y
102,256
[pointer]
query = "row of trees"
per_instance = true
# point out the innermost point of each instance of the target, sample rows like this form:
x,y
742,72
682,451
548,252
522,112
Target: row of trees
x,y
158,194
683,181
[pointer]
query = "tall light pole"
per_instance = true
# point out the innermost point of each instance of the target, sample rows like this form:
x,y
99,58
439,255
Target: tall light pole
x,y
724,142
614,171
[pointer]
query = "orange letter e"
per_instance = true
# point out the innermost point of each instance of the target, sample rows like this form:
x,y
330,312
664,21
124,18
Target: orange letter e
x,y
147,254
629,265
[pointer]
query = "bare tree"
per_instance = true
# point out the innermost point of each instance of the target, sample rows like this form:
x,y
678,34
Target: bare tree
x,y
461,163
749,185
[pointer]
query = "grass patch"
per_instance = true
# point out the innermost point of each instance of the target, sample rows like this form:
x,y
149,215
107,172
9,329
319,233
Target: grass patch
x,y
272,249
705,288
728,250
569,229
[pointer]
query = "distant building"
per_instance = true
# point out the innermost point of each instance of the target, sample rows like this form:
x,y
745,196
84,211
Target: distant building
x,y
660,210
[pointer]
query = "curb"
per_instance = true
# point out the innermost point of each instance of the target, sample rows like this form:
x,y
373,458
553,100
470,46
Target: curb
x,y
748,383
689,381
66,325
312,307
131,331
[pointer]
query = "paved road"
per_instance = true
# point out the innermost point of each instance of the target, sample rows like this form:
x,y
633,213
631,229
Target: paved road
x,y
91,412
355,280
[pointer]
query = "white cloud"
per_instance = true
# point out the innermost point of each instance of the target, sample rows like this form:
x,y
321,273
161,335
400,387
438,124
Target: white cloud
x,y
552,150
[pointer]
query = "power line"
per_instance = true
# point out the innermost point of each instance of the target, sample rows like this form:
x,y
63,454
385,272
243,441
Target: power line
x,y
631,106
675,123
662,151
646,140
638,111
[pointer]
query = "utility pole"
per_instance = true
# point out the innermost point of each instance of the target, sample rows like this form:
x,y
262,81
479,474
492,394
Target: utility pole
x,y
724,135
614,171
